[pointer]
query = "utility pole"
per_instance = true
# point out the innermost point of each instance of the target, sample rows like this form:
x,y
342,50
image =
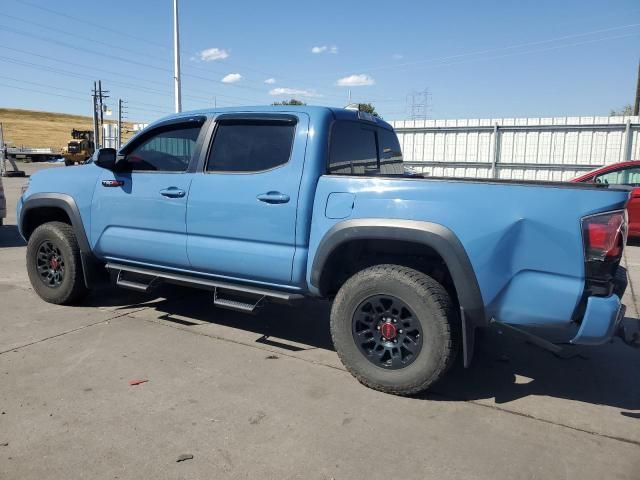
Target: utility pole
x,y
349,102
96,131
2,159
101,107
176,59
102,95
120,114
636,107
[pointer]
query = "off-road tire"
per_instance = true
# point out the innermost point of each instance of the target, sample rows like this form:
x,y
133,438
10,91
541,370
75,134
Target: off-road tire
x,y
72,287
433,308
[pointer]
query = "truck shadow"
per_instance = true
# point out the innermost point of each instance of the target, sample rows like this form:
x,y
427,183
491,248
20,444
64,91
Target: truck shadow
x,y
9,237
504,368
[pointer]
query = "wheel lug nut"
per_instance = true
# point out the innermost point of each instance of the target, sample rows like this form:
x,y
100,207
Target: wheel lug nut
x,y
399,331
378,327
395,321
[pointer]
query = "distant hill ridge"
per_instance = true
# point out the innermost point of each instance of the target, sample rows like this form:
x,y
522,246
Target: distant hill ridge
x,y
32,128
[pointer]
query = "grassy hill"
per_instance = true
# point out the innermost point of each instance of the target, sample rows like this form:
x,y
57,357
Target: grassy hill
x,y
40,129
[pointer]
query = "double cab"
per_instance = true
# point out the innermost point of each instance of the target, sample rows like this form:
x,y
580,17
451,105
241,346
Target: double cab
x,y
281,202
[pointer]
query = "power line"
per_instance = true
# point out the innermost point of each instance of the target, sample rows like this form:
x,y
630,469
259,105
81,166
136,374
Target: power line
x,y
38,84
540,50
205,95
491,50
44,93
137,53
125,60
63,72
75,35
373,68
84,21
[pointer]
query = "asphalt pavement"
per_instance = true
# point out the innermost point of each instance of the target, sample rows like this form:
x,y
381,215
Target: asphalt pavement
x,y
265,396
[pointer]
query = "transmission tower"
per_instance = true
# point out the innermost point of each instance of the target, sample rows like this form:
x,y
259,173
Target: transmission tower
x,y
419,104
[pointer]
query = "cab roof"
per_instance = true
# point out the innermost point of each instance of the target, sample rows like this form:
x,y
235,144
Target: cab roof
x,y
312,111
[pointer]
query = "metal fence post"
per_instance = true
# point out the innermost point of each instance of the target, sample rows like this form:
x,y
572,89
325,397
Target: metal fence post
x,y
628,140
496,151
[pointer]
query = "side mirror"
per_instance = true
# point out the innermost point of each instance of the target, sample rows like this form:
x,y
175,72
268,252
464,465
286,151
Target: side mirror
x,y
106,158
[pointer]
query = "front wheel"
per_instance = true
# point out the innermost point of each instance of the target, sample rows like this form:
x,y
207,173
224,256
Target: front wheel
x,y
54,265
395,329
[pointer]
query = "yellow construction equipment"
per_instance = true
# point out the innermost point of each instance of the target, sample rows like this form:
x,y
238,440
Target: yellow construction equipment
x,y
80,147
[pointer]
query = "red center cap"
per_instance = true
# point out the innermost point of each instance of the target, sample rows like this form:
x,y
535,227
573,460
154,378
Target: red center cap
x,y
388,331
54,263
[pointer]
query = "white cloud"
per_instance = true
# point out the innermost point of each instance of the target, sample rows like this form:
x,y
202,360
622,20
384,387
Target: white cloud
x,y
232,78
270,81
211,54
325,49
397,56
358,80
293,91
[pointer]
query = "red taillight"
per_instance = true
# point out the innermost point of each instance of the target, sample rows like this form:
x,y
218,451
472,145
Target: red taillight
x,y
604,235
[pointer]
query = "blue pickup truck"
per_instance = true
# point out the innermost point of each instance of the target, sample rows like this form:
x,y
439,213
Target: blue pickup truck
x,y
275,203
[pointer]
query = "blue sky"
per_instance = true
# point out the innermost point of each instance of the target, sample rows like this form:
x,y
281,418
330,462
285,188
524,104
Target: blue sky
x,y
477,59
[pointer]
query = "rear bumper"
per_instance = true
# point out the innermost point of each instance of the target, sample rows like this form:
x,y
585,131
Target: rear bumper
x,y
603,315
601,320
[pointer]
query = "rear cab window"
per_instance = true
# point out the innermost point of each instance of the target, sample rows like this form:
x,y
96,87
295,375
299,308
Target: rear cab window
x,y
362,148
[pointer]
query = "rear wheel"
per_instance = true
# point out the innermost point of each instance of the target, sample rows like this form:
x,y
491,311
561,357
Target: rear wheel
x,y
54,265
395,329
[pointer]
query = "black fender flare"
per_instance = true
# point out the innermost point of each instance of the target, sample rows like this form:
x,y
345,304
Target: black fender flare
x,y
436,236
90,265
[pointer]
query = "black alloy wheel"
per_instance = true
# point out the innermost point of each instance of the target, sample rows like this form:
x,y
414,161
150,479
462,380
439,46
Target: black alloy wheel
x,y
50,264
387,332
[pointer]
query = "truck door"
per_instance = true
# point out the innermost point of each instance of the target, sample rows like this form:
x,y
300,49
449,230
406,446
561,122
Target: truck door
x,y
241,213
139,210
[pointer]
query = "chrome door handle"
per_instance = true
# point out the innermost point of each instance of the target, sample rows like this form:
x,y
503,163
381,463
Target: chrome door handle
x,y
173,192
273,197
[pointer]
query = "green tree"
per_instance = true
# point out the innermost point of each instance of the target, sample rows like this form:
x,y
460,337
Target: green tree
x,y
626,110
293,101
369,108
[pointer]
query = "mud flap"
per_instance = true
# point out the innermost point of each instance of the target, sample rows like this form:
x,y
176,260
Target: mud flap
x,y
468,338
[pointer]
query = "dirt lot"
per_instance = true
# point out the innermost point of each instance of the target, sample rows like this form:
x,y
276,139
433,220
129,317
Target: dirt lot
x,y
265,396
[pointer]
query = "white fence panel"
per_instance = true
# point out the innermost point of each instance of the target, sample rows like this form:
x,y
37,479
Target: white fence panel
x,y
557,148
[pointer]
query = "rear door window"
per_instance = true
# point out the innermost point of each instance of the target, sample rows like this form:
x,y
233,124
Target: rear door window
x,y
353,149
358,148
250,146
390,153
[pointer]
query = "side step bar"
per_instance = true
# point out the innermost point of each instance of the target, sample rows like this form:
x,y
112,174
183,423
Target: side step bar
x,y
235,301
197,282
123,282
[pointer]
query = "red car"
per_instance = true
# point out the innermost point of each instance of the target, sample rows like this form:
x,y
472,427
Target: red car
x,y
622,173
